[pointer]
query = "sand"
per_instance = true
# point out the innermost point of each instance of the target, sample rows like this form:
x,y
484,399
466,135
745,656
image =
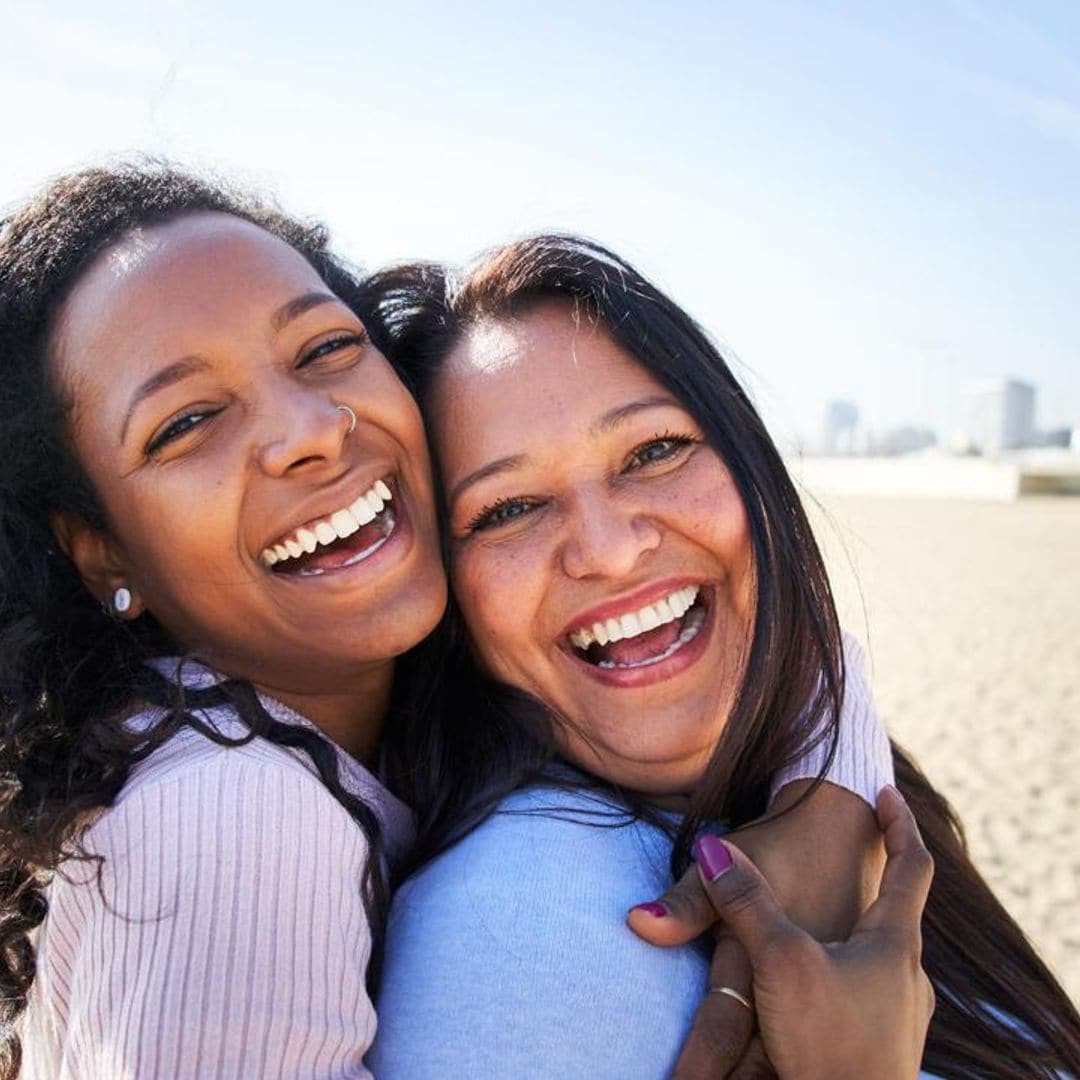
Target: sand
x,y
971,617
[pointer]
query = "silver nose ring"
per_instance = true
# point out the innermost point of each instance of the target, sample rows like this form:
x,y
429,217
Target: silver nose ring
x,y
352,418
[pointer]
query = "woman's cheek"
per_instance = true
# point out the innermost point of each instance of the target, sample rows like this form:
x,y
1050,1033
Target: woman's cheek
x,y
499,592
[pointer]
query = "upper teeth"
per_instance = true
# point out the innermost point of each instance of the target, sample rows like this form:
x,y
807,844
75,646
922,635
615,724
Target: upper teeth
x,y
330,529
647,618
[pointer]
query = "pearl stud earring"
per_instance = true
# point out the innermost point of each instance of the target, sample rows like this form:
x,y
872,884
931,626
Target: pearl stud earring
x,y
121,600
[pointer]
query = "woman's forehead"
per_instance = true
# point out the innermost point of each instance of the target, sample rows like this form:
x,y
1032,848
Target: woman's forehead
x,y
538,377
168,288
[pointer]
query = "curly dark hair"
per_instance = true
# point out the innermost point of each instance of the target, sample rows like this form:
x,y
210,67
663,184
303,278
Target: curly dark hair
x,y
70,673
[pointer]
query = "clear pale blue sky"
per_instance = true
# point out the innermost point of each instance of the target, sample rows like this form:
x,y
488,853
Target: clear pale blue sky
x,y
879,202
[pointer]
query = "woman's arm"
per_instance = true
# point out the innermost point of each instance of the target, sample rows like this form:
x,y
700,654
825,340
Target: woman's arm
x,y
857,1008
228,936
822,857
822,852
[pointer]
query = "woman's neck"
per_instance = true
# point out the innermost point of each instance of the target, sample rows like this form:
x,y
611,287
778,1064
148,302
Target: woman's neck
x,y
352,718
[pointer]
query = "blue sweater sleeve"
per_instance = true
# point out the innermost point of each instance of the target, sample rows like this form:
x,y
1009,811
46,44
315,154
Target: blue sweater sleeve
x,y
509,955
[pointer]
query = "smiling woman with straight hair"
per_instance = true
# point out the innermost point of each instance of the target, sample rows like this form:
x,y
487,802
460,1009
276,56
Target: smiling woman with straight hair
x,y
641,586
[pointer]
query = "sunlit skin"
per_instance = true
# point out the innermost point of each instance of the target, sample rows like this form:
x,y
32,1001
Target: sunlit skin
x,y
198,476
606,492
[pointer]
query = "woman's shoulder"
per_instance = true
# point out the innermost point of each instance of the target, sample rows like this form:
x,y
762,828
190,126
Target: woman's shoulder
x,y
194,806
189,757
526,917
539,836
549,866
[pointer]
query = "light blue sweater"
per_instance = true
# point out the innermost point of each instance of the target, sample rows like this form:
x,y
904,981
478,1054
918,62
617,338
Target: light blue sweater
x,y
509,956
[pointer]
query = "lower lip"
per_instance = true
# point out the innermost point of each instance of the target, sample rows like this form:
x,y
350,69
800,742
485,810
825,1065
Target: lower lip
x,y
383,554
675,664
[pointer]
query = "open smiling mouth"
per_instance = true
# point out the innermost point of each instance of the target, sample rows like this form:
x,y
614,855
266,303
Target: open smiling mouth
x,y
645,637
339,540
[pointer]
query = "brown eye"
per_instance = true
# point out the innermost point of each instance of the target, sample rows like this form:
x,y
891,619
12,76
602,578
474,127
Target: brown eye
x,y
663,448
502,512
331,347
179,427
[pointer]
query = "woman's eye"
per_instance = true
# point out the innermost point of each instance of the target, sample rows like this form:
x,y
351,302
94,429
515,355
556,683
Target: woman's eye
x,y
502,512
662,448
179,427
330,347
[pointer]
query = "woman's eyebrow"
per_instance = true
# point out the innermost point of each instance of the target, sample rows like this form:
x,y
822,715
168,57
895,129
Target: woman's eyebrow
x,y
492,468
167,376
621,413
293,309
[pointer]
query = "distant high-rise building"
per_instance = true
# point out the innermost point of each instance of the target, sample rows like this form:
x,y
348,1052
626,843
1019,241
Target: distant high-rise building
x,y
1002,415
841,420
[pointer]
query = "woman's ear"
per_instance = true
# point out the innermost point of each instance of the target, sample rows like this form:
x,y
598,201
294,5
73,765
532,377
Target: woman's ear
x,y
100,565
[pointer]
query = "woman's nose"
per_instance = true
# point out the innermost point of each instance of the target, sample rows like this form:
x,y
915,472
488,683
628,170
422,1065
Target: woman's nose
x,y
302,431
607,539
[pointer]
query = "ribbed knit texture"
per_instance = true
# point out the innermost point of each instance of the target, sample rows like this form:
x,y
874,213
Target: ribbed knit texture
x,y
228,937
863,760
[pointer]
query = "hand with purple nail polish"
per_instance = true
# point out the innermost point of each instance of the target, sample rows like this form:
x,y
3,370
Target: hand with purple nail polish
x,y
856,1008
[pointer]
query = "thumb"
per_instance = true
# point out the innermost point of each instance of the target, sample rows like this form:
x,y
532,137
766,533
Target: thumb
x,y
680,915
741,896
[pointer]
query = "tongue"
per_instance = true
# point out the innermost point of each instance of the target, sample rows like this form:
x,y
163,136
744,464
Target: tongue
x,y
643,647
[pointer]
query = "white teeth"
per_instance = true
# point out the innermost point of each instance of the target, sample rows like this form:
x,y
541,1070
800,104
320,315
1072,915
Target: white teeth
x,y
361,510
693,627
336,526
343,523
637,622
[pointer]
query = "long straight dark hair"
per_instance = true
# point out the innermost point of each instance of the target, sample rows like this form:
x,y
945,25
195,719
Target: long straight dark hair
x,y
492,738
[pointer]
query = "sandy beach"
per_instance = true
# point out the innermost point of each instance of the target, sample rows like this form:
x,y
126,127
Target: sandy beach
x,y
970,613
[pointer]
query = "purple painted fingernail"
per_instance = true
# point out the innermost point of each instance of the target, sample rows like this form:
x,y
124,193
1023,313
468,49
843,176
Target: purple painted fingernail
x,y
712,855
658,911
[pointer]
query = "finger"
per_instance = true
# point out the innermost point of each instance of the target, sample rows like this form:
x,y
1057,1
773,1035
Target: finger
x,y
742,898
754,1064
909,870
683,913
722,1026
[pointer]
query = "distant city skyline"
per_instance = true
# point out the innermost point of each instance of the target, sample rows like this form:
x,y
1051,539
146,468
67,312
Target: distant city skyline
x,y
863,202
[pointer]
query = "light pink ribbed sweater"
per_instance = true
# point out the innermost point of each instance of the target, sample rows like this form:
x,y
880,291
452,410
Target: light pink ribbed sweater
x,y
229,937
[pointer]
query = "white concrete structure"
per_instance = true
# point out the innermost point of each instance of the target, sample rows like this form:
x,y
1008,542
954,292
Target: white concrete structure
x,y
938,476
1001,415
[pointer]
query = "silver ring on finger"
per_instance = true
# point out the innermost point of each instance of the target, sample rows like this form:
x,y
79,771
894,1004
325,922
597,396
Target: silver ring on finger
x,y
731,992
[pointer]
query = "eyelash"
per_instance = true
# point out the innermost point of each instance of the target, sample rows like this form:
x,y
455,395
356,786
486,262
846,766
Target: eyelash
x,y
176,428
490,516
327,348
677,441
